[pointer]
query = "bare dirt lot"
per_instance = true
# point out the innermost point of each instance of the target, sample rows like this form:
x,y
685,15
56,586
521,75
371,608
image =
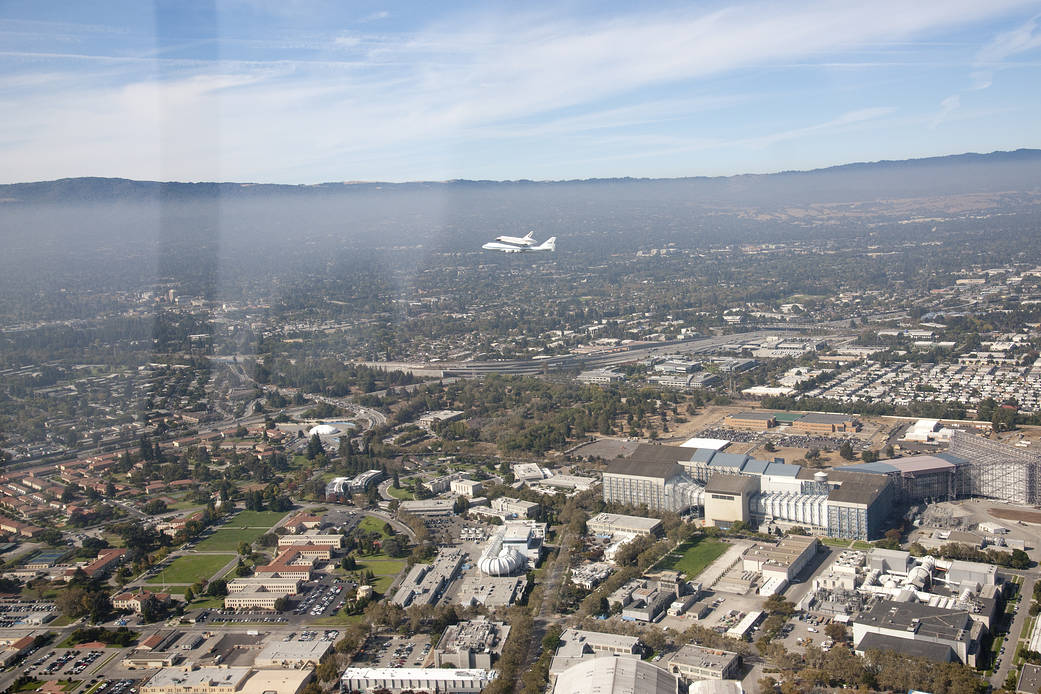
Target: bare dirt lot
x,y
1016,515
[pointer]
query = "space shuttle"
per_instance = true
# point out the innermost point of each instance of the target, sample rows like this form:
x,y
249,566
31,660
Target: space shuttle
x,y
526,240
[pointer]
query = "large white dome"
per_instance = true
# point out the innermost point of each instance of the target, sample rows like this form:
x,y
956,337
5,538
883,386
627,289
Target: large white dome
x,y
323,430
505,563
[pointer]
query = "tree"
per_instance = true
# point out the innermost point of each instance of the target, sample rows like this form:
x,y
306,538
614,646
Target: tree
x,y
1019,560
314,447
189,595
846,450
217,588
835,631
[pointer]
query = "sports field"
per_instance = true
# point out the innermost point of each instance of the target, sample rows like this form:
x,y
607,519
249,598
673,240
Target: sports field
x,y
693,556
188,569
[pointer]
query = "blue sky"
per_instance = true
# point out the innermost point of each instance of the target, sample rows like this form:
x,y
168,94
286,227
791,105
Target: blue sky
x,y
293,91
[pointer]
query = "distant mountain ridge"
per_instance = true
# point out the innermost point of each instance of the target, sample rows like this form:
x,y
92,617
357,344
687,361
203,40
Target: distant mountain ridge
x,y
951,174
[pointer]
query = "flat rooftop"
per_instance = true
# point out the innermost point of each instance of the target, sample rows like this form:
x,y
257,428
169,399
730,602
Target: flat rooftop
x,y
294,650
698,656
731,484
646,524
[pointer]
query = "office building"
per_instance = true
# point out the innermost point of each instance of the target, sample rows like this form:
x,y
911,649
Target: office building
x,y
514,508
399,679
311,537
694,663
474,644
609,524
467,487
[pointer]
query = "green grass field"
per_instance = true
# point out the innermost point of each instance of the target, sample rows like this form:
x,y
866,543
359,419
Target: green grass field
x,y
255,519
836,542
693,556
188,569
228,539
370,524
384,568
402,493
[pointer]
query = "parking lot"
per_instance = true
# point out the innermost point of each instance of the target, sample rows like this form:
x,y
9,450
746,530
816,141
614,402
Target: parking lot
x,y
325,597
61,662
394,651
19,612
124,686
245,616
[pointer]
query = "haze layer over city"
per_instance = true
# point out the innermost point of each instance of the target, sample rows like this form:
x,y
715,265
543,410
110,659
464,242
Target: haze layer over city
x,y
543,349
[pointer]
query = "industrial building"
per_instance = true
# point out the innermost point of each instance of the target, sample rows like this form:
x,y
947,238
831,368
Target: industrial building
x,y
856,580
939,477
590,575
779,564
577,645
824,424
936,633
278,653
514,548
401,679
225,680
754,421
474,644
694,663
428,507
998,471
426,583
652,476
727,500
616,676
609,524
1029,680
645,599
573,483
849,504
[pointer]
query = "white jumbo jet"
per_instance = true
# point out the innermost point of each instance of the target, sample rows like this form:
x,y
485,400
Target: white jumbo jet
x,y
526,240
549,245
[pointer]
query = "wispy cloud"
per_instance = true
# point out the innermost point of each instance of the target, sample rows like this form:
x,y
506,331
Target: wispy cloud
x,y
331,101
994,55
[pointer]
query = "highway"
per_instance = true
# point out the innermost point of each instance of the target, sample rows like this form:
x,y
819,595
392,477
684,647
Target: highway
x,y
567,362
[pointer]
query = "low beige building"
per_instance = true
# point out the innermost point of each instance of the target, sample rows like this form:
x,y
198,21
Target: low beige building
x,y
191,679
727,499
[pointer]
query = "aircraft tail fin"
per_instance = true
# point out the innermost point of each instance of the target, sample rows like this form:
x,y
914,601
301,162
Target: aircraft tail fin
x,y
530,236
549,244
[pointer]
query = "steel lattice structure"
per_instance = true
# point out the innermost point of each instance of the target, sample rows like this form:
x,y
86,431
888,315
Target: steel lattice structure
x,y
998,471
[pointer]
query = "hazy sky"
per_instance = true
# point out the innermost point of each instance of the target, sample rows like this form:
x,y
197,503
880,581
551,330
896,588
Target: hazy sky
x,y
295,91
